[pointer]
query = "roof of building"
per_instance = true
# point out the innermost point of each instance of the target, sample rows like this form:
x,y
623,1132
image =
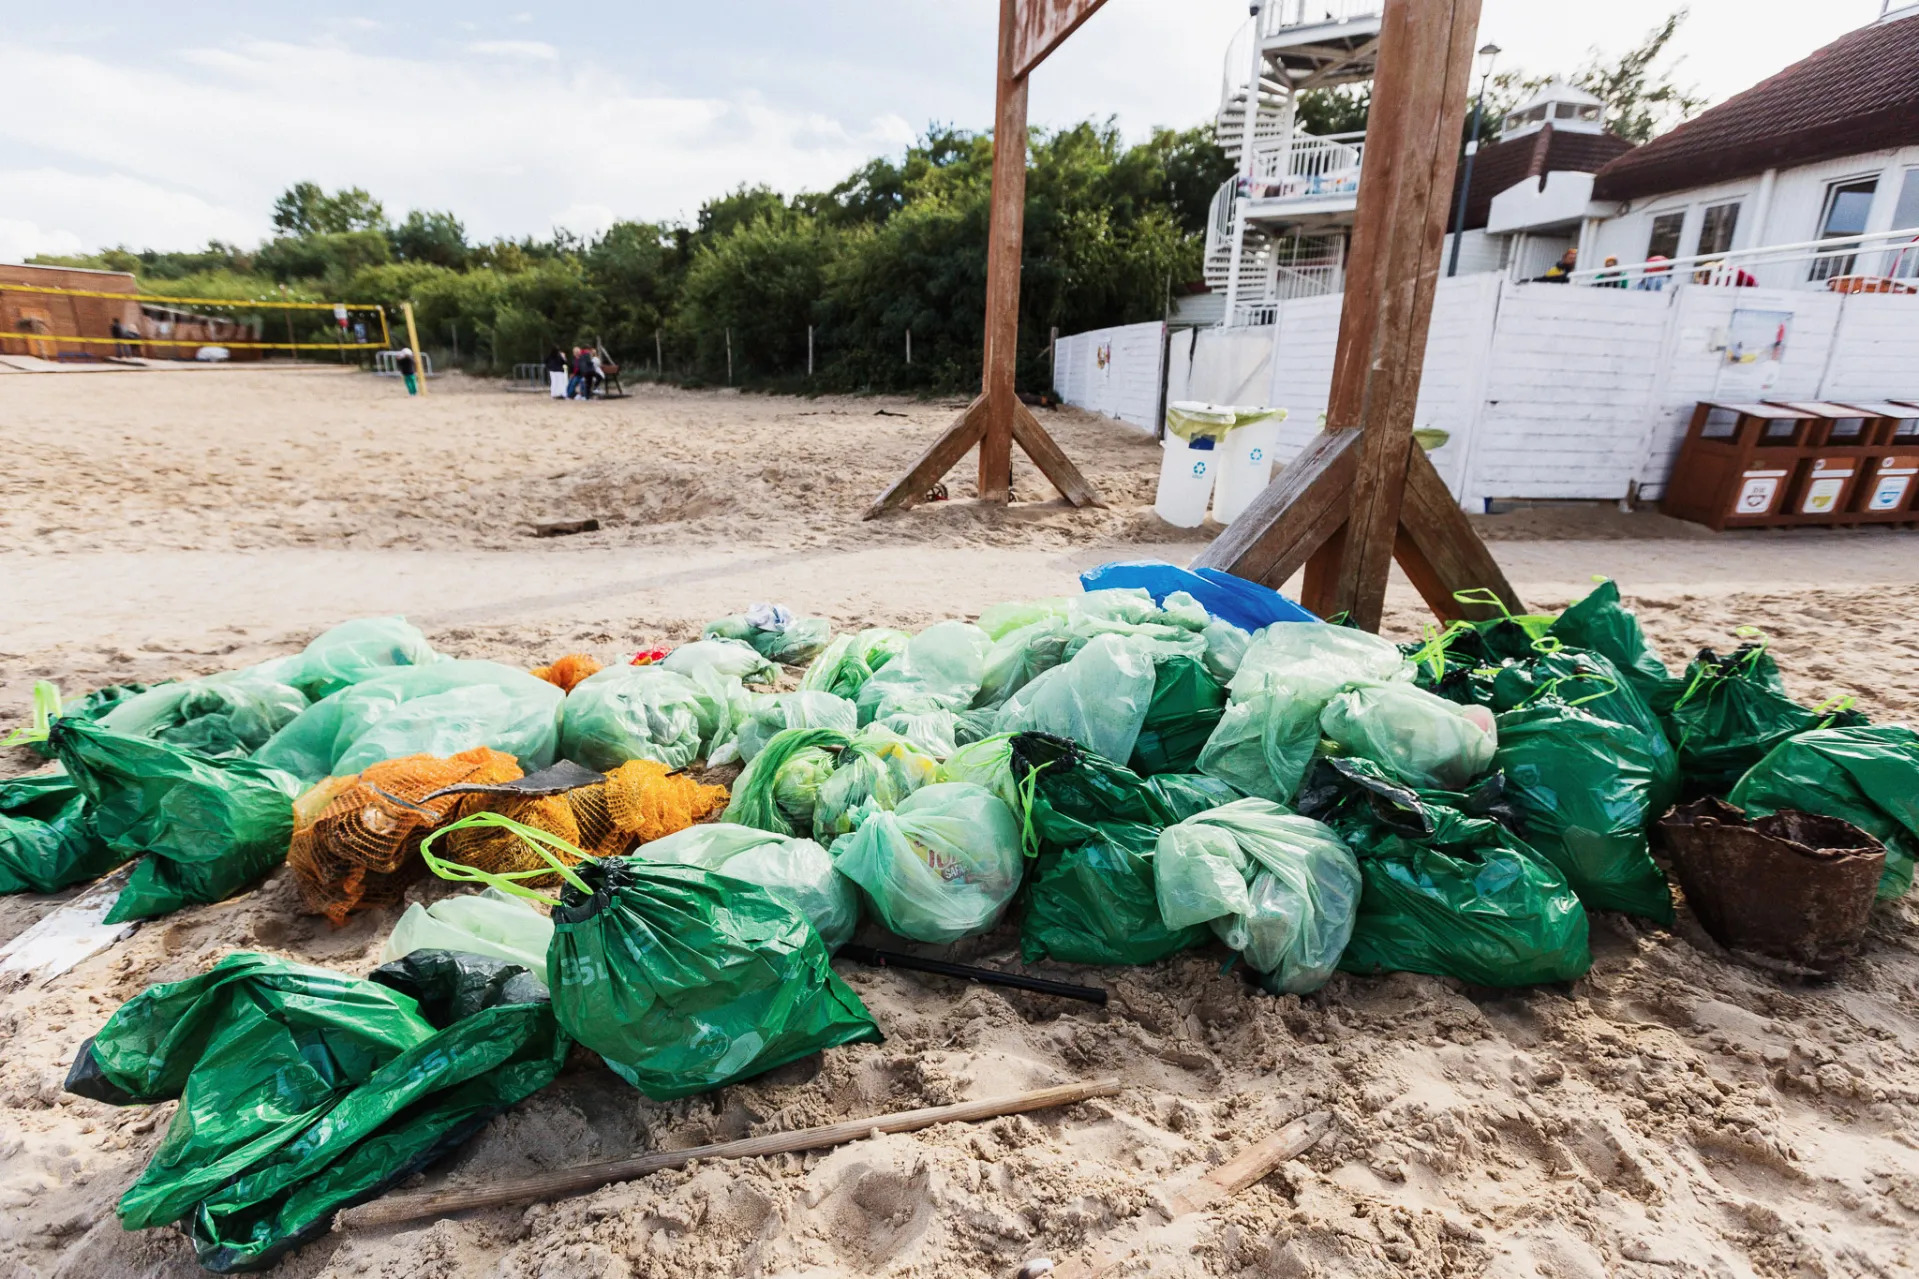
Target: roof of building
x,y
1859,93
1500,166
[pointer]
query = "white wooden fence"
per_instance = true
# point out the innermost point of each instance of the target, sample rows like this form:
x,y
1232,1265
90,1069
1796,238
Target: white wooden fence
x,y
1556,392
1118,372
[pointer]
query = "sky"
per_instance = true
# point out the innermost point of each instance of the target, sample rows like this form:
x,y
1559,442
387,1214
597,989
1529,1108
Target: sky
x,y
164,126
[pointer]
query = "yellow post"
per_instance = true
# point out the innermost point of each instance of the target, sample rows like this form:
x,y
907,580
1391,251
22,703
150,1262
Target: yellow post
x,y
413,342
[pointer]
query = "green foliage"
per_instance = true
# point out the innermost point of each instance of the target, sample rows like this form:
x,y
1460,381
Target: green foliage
x,y
304,209
428,236
1337,110
330,256
1641,101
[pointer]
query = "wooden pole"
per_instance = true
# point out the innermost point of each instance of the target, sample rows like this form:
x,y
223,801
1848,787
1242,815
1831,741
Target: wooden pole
x,y
729,356
909,348
573,1181
809,350
659,358
1004,242
413,342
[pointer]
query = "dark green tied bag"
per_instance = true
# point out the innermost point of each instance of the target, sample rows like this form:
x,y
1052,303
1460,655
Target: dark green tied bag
x,y
1448,889
304,1091
1733,711
1594,685
1584,791
1601,624
1186,706
682,980
1866,775
209,827
1095,824
47,840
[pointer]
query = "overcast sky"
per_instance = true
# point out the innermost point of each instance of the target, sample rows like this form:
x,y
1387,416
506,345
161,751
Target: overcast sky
x,y
166,125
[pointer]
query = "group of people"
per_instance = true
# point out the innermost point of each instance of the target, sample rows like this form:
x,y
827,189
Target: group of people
x,y
579,376
1653,276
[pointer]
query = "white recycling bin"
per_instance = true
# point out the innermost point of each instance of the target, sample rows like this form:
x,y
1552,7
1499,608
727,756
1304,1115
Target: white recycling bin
x,y
1186,471
1245,465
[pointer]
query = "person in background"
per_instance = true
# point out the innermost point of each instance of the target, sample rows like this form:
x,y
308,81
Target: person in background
x,y
1717,272
1561,271
597,373
583,372
556,372
1611,277
120,336
404,362
1658,271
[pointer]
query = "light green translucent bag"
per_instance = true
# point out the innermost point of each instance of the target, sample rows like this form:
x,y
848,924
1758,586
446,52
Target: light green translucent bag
x,y
489,923
1098,699
632,712
1264,742
799,869
940,867
879,769
724,657
233,713
1282,890
773,713
358,650
849,661
941,666
1421,740
774,634
987,762
440,710
932,730
1317,660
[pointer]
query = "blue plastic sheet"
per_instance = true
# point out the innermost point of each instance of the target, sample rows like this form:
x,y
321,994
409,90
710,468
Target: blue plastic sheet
x,y
1233,599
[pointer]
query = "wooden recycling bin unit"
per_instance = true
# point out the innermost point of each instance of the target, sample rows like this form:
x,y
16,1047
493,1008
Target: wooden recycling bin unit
x,y
1813,462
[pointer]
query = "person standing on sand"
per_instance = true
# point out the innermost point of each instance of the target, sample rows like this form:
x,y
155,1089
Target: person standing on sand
x,y
556,372
405,364
582,373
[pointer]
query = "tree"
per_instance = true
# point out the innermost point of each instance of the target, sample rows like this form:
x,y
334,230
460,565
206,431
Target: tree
x,y
427,236
1341,109
1641,102
305,209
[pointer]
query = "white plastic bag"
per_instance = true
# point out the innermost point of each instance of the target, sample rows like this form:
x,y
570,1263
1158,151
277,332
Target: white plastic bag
x,y
488,923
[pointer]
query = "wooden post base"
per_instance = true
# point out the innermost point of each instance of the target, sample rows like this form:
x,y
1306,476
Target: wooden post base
x,y
968,431
1300,522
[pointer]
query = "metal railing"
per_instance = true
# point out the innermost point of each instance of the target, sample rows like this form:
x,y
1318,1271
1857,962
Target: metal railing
x,y
385,363
1311,166
1875,262
1281,14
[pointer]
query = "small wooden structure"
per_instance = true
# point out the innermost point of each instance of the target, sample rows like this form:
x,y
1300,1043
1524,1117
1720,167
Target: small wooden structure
x,y
33,323
1028,31
1363,493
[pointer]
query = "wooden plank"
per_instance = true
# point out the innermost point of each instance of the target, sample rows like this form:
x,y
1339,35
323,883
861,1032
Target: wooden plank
x,y
1405,190
1440,552
933,464
1005,237
1293,516
1052,462
1043,25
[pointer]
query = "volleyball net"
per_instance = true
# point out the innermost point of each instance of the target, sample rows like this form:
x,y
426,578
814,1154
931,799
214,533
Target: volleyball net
x,y
52,322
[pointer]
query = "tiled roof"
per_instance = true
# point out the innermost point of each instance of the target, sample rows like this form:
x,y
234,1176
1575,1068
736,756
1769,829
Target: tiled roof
x,y
1500,166
1859,93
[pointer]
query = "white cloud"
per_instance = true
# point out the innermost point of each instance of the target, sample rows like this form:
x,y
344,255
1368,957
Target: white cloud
x,y
586,220
21,240
74,211
538,50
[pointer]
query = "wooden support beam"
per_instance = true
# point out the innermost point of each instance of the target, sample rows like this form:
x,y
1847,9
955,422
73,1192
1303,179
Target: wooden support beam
x,y
1048,457
941,457
1439,551
1005,239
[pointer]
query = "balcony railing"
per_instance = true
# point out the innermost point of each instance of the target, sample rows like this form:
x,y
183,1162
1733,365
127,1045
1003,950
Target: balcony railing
x,y
1311,166
1877,262
1281,14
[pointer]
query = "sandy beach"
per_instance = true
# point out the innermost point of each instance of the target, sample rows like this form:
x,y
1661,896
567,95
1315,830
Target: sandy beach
x,y
1675,1112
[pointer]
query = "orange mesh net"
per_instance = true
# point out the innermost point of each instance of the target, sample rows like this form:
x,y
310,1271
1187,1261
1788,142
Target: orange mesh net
x,y
568,671
356,840
497,851
647,801
600,835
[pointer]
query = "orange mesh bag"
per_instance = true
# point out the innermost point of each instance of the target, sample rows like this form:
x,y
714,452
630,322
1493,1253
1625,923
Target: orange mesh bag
x,y
497,850
600,835
356,840
568,671
647,801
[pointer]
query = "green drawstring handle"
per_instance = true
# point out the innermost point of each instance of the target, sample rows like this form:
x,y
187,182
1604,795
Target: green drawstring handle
x,y
1833,707
541,842
46,709
1551,686
1485,597
1432,654
1028,840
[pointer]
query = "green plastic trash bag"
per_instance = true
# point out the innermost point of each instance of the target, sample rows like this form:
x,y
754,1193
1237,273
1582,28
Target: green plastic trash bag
x,y
47,839
1263,743
1090,897
303,1091
1867,775
723,657
877,770
631,712
941,866
987,762
1601,624
779,789
1315,660
48,706
797,868
231,713
684,980
1279,888
1446,892
775,633
1099,698
1186,706
845,665
1733,711
1226,646
489,923
931,730
1419,739
1593,684
774,713
1583,788
358,650
1185,794
209,827
720,705
1020,656
941,666
439,709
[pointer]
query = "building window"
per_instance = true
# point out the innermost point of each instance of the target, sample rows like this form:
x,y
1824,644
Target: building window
x,y
1716,228
1665,235
1847,204
1905,215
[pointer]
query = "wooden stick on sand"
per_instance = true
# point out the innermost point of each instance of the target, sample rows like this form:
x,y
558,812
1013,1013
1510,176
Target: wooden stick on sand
x,y
573,1181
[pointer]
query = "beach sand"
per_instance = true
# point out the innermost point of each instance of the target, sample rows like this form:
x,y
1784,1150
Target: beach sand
x,y
1674,1112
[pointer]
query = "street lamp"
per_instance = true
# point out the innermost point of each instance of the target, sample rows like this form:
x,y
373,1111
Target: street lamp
x,y
1488,54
